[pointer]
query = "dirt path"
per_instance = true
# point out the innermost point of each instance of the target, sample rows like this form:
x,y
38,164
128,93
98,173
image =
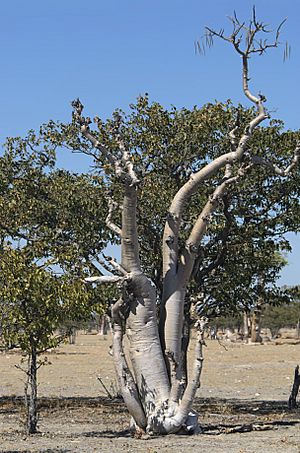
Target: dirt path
x,y
242,387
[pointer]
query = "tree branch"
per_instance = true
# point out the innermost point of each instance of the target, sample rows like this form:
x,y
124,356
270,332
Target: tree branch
x,y
188,256
126,382
182,411
104,279
84,122
116,266
112,206
171,231
275,169
219,259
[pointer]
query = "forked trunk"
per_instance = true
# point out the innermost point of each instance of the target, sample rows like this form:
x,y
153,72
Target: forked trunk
x,y
153,392
155,403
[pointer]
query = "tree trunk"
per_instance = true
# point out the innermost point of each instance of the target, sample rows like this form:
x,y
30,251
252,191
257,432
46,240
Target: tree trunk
x,y
146,354
256,322
103,325
295,389
72,335
31,398
255,328
246,325
185,341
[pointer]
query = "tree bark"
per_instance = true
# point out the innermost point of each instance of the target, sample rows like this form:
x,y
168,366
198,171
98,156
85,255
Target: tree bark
x,y
246,325
256,323
295,389
145,351
31,398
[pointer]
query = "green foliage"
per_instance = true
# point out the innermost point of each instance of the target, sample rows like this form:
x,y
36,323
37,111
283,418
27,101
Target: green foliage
x,y
273,317
58,218
287,315
246,236
52,227
34,302
51,213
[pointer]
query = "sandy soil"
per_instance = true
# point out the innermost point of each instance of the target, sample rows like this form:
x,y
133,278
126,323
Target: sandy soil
x,y
243,387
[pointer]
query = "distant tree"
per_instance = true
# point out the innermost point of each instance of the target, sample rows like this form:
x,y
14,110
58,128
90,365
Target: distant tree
x,y
283,315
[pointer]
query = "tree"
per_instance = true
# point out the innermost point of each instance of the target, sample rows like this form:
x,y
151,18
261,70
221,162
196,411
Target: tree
x,y
33,303
283,315
204,165
154,394
48,228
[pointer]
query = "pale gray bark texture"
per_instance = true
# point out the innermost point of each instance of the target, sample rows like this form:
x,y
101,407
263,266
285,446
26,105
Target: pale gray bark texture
x,y
156,392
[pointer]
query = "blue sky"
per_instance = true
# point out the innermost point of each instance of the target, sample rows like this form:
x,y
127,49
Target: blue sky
x,y
109,52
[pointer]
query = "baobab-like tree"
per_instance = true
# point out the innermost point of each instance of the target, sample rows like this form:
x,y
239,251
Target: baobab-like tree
x,y
153,388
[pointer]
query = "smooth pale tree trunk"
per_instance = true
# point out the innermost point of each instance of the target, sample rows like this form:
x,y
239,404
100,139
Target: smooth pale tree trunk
x,y
256,323
72,335
153,391
103,325
246,325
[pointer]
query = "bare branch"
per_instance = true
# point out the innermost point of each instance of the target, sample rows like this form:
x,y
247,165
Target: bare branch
x,y
113,263
128,163
279,171
175,381
194,382
112,206
253,44
188,256
183,410
128,176
84,123
104,279
198,274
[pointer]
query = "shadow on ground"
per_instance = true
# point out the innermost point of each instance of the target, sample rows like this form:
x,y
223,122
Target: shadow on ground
x,y
216,415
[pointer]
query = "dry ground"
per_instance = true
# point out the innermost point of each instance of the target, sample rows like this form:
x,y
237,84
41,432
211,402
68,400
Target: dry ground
x,y
243,387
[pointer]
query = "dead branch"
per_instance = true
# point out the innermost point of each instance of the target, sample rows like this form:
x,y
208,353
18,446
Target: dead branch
x,y
246,41
247,427
110,396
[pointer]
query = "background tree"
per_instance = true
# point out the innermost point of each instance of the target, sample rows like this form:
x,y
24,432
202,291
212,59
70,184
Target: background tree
x,y
34,302
51,228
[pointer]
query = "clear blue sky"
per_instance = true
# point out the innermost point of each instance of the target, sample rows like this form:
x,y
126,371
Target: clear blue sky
x,y
109,52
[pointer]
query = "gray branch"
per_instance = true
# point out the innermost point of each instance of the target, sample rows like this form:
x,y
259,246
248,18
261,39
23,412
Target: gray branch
x,y
112,206
275,169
